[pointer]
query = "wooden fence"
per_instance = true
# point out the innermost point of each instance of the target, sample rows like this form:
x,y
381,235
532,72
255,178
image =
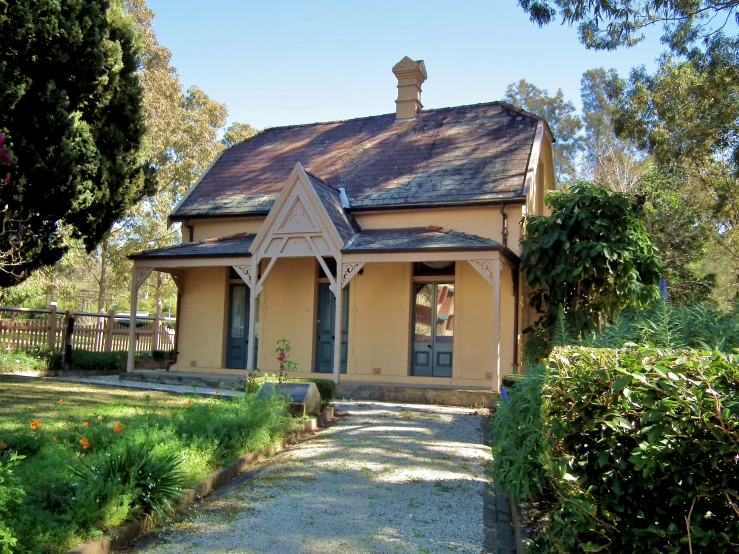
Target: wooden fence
x,y
23,328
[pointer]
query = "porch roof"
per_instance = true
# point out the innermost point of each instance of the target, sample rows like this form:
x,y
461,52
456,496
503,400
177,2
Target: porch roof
x,y
417,239
234,245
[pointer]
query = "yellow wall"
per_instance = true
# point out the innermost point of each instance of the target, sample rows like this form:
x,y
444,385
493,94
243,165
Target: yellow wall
x,y
202,313
379,321
287,311
484,221
204,229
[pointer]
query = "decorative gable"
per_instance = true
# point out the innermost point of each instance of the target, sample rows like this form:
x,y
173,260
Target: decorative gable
x,y
298,224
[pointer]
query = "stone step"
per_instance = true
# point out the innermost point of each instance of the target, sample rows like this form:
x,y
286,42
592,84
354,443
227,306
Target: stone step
x,y
208,380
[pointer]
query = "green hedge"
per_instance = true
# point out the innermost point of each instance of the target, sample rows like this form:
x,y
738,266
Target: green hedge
x,y
641,447
41,359
326,387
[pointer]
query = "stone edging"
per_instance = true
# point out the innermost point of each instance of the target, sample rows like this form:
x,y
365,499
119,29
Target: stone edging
x,y
519,533
123,536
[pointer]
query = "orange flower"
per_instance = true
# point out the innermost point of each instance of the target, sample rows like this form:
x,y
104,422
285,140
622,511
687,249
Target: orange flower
x,y
211,408
61,401
35,424
85,443
189,401
4,446
117,428
53,437
218,392
86,424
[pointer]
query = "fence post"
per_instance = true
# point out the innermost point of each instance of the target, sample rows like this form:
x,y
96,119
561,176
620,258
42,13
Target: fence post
x,y
109,331
69,331
155,336
52,327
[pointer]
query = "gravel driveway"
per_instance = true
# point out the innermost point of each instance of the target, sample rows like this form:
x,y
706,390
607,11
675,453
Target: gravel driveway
x,y
385,478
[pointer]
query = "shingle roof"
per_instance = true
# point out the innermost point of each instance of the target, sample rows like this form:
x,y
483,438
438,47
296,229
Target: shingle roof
x,y
465,154
412,239
329,196
236,245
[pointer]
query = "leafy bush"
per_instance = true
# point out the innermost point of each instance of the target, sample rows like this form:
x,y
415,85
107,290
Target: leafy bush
x,y
98,361
642,447
10,496
666,326
91,470
518,438
31,359
162,355
147,481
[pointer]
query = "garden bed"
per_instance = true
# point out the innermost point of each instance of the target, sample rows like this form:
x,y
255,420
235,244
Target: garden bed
x,y
60,495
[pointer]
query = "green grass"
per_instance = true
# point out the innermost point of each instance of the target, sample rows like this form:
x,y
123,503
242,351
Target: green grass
x,y
57,508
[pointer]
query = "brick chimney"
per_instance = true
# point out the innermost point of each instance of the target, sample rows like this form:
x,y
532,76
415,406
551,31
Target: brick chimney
x,y
410,76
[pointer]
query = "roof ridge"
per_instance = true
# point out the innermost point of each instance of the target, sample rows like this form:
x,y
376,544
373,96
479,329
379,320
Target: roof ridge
x,y
335,121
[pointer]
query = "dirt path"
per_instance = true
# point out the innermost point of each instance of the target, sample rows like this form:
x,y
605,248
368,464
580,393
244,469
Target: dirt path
x,y
386,478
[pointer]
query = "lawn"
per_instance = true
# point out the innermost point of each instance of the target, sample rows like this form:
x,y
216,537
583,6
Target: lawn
x,y
95,457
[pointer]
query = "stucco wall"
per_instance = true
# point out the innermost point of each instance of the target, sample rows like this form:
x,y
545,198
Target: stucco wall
x,y
379,317
222,227
202,319
484,221
287,311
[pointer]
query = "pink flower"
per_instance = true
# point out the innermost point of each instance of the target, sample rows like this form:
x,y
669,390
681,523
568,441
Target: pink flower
x,y
281,357
2,138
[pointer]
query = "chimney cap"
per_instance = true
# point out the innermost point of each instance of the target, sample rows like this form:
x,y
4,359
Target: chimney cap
x,y
407,65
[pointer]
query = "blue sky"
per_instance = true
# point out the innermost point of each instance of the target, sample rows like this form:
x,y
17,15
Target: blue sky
x,y
281,63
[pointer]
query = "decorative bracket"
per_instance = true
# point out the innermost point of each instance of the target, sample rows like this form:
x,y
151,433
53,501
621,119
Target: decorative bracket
x,y
140,275
245,273
178,276
348,271
484,268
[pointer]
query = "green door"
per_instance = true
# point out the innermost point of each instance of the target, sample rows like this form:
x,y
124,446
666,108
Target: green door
x,y
325,329
433,329
238,328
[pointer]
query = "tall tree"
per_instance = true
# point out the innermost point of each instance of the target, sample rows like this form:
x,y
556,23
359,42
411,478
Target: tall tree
x,y
72,116
607,159
238,132
563,121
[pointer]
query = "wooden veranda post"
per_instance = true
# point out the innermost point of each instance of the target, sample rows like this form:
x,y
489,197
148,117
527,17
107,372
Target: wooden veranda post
x,y
139,276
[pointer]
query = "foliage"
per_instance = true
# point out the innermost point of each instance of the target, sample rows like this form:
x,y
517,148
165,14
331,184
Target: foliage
x,y
591,258
642,449
33,359
608,160
518,462
562,119
72,116
678,230
148,480
236,133
85,437
664,326
621,23
286,366
10,496
98,361
327,389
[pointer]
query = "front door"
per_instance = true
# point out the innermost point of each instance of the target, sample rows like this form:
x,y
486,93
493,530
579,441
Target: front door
x,y
433,329
325,329
238,327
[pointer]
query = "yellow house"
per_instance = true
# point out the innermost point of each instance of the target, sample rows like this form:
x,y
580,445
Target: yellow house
x,y
385,248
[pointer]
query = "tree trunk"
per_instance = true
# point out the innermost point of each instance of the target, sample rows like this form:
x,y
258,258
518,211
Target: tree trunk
x,y
103,276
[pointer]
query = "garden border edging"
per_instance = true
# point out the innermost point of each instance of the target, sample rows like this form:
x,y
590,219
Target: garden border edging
x,y
126,534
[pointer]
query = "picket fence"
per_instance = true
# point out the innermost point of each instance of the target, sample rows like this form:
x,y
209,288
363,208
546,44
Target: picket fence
x,y
22,328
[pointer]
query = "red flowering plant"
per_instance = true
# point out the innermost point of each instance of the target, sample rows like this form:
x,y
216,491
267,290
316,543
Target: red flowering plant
x,y
286,366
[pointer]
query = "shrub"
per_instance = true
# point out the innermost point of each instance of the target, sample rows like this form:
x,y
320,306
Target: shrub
x,y
642,447
327,389
518,439
10,495
162,355
143,480
98,361
30,359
